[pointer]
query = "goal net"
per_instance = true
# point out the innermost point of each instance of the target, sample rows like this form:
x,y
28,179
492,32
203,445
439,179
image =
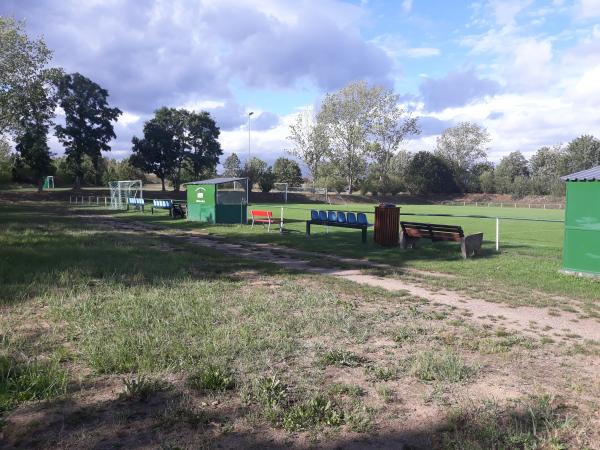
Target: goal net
x,y
120,191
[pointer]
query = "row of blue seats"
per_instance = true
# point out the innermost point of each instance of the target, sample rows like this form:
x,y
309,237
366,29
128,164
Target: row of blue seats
x,y
166,204
339,217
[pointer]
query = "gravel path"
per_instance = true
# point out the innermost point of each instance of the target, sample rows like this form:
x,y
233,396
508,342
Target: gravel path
x,y
527,320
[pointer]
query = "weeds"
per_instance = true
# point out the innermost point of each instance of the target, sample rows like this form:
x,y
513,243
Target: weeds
x,y
445,365
212,378
341,358
142,388
537,422
22,382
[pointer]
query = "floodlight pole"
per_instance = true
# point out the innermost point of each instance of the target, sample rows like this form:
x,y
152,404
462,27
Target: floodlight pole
x,y
249,114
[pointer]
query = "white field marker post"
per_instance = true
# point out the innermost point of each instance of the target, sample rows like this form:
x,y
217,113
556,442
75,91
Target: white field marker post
x,y
281,219
497,234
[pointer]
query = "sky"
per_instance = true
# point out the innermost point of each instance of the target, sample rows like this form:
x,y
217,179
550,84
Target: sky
x,y
527,70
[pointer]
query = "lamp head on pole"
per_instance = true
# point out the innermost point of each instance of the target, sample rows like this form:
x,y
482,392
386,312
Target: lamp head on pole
x,y
250,113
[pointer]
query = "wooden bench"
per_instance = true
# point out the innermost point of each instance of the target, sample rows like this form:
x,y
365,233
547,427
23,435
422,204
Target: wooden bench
x,y
262,216
413,231
137,203
340,219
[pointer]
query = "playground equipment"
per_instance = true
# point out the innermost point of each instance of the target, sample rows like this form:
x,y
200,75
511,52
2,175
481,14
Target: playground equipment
x,y
218,200
48,183
581,250
121,191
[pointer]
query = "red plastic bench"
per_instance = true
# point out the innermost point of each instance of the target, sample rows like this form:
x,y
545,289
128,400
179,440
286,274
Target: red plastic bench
x,y
261,216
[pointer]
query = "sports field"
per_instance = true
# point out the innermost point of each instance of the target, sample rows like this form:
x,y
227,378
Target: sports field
x,y
526,271
113,332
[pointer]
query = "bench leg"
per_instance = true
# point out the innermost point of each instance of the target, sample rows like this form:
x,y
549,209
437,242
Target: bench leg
x,y
364,235
307,229
252,223
269,226
470,245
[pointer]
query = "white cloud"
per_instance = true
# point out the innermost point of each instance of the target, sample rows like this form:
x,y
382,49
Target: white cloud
x,y
407,5
421,52
505,12
588,9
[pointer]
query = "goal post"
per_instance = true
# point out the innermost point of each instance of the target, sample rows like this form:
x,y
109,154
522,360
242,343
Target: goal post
x,y
283,188
121,190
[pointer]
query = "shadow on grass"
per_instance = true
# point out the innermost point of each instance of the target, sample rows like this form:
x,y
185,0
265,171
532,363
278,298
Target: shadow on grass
x,y
172,418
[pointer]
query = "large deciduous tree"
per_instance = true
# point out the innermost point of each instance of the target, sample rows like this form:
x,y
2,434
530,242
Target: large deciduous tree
x,y
429,174
310,142
287,171
391,125
23,69
232,167
202,139
463,146
159,151
33,151
583,153
88,121
511,167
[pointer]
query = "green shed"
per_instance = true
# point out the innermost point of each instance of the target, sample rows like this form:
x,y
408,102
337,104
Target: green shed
x,y
581,249
218,200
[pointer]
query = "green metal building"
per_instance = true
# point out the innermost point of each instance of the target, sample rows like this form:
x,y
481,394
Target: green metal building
x,y
581,250
218,200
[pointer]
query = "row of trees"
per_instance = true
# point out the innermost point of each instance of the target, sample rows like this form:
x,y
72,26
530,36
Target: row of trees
x,y
178,145
355,138
284,170
30,92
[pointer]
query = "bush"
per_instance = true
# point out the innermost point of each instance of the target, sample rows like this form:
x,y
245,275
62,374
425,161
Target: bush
x,y
266,180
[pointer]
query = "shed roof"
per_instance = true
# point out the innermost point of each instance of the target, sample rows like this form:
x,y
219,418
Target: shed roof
x,y
216,181
592,174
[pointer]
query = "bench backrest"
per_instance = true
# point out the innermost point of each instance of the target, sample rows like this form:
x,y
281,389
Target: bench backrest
x,y
361,218
341,217
261,213
436,232
162,203
351,218
332,216
314,214
135,201
323,216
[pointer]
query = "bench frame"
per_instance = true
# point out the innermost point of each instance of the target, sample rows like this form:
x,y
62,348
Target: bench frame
x,y
136,205
255,215
413,231
327,223
175,210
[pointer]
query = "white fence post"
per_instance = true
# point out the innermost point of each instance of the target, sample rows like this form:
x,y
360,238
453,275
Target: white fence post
x,y
497,234
281,221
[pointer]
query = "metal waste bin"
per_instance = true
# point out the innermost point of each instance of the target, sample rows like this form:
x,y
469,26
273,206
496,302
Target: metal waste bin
x,y
387,224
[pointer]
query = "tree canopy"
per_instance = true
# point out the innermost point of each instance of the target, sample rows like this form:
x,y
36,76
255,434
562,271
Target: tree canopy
x,y
88,121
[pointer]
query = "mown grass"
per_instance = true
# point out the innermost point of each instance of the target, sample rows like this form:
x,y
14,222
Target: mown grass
x,y
298,353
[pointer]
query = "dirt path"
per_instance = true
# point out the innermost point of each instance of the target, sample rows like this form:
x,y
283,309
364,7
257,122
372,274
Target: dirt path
x,y
527,320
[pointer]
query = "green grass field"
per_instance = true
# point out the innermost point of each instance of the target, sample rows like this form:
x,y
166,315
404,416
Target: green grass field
x,y
526,271
110,338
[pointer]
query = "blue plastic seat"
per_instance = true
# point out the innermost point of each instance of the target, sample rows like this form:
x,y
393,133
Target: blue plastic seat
x,y
332,216
323,216
362,219
351,218
314,214
341,217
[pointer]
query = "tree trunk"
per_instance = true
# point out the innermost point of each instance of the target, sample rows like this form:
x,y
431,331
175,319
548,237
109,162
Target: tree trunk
x,y
162,180
77,182
41,185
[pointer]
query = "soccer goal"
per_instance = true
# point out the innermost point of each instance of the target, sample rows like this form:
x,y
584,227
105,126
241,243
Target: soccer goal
x,y
120,191
283,188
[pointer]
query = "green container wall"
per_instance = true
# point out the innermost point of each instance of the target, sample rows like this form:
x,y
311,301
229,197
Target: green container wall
x,y
202,207
201,203
232,214
581,251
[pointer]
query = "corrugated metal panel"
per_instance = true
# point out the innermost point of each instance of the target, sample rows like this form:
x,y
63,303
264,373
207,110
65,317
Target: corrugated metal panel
x,y
592,174
216,181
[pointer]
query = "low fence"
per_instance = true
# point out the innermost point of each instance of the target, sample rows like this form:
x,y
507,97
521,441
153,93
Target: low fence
x,y
505,204
289,212
371,215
